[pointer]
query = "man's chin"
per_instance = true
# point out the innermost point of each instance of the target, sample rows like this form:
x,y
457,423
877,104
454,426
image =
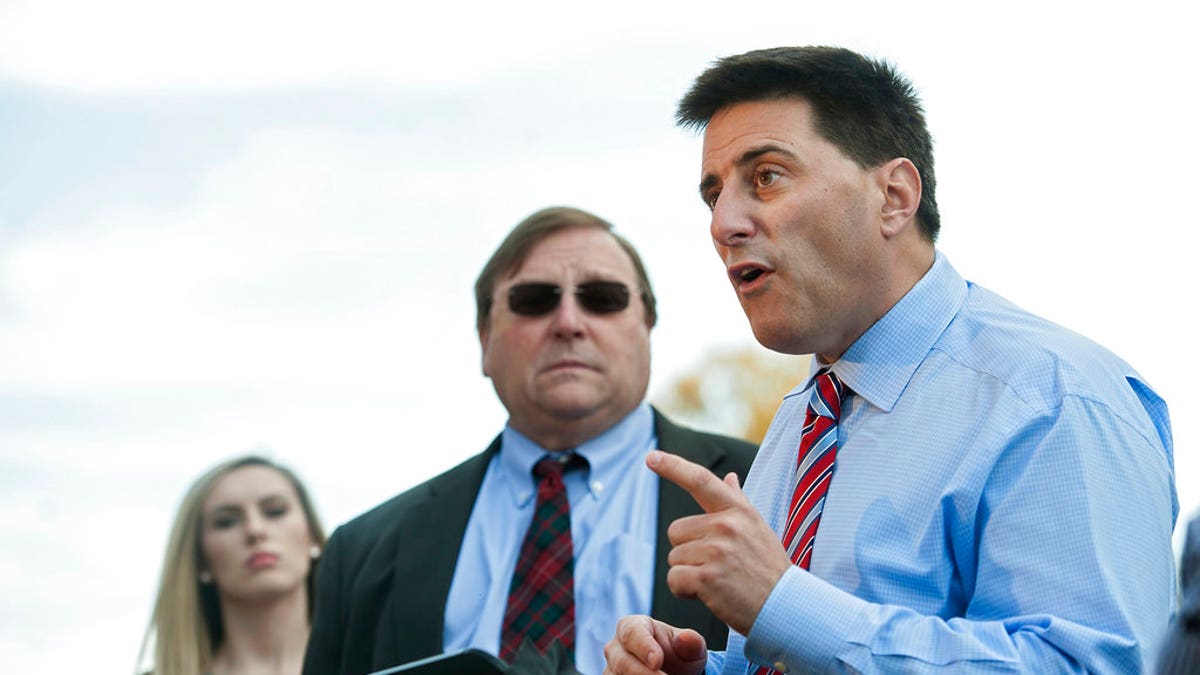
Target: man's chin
x,y
775,337
574,400
568,409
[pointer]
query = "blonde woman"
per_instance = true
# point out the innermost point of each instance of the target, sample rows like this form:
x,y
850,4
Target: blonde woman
x,y
236,592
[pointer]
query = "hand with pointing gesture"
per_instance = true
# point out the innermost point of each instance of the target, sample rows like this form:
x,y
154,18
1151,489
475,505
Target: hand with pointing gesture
x,y
728,557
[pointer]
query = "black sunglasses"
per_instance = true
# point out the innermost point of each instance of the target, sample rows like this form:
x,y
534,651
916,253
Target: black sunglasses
x,y
596,297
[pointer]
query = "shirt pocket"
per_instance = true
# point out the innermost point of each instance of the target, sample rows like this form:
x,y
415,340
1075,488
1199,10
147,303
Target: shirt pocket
x,y
614,580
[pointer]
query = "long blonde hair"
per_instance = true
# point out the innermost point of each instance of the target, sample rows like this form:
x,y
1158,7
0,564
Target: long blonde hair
x,y
185,626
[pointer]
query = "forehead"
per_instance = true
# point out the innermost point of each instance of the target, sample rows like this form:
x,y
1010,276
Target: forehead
x,y
248,484
578,253
732,130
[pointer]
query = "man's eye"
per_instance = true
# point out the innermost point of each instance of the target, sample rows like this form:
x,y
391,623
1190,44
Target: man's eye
x,y
710,200
766,177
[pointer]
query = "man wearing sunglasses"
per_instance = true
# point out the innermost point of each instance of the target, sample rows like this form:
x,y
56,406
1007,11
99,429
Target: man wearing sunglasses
x,y
564,312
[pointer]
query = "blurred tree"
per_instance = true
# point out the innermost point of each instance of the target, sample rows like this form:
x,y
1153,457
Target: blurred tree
x,y
733,391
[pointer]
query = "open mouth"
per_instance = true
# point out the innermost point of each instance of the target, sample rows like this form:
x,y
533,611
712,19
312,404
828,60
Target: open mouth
x,y
745,274
748,275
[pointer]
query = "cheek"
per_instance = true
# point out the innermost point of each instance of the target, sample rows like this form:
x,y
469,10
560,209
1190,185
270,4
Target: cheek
x,y
633,349
214,549
302,543
505,351
303,535
299,533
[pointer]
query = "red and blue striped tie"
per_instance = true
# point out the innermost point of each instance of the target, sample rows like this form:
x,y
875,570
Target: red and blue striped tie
x,y
814,471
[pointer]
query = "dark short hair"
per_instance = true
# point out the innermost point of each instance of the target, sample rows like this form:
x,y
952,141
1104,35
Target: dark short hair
x,y
515,248
864,107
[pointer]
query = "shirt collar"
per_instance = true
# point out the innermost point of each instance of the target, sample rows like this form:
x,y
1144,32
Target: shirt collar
x,y
882,361
608,455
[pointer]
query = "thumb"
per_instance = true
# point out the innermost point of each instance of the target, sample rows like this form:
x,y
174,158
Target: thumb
x,y
688,645
688,652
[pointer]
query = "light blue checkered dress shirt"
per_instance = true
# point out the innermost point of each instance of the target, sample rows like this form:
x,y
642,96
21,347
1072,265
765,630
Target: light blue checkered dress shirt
x,y
1003,502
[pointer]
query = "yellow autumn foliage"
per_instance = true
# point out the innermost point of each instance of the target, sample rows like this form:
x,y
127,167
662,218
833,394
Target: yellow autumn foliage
x,y
733,391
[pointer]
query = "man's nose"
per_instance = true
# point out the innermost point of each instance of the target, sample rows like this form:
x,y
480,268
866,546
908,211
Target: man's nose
x,y
732,219
568,317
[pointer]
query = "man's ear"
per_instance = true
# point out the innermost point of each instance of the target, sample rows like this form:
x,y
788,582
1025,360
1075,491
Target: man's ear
x,y
484,334
901,185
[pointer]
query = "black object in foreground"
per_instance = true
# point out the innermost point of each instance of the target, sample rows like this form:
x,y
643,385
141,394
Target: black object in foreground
x,y
528,661
466,662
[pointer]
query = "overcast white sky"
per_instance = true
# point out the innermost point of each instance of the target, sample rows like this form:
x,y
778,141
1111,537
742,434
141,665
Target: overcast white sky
x,y
235,226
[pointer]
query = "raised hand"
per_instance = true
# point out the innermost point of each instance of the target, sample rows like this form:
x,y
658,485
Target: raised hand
x,y
728,557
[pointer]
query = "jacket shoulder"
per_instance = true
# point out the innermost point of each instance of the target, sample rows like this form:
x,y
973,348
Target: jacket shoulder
x,y
382,524
719,453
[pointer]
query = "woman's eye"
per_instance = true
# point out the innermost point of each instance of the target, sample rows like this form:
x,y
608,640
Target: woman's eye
x,y
224,522
275,510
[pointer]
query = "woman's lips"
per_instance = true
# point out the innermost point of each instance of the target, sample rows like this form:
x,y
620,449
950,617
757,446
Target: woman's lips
x,y
261,560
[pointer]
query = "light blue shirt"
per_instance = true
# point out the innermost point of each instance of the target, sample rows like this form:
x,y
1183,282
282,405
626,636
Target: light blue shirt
x,y
614,510
1003,502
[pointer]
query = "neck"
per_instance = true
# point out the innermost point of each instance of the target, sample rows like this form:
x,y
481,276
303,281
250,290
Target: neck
x,y
559,440
556,435
263,638
905,270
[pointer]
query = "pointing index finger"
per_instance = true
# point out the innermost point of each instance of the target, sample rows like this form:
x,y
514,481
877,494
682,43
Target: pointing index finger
x,y
710,492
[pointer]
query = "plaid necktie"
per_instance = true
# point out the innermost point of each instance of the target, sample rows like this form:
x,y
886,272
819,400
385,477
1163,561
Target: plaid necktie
x,y
814,471
541,599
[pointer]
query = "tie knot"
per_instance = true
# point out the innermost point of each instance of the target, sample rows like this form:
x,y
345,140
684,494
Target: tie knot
x,y
827,394
548,466
556,465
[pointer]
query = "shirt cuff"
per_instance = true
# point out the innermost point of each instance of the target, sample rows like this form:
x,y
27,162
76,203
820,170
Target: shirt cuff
x,y
805,620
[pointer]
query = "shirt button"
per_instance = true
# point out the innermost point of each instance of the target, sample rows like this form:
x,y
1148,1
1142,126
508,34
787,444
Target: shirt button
x,y
780,666
597,486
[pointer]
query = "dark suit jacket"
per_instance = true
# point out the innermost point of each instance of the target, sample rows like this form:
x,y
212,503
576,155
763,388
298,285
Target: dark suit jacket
x,y
1180,652
385,575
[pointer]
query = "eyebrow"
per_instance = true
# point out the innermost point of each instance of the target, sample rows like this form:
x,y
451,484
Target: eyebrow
x,y
237,507
585,276
222,510
746,158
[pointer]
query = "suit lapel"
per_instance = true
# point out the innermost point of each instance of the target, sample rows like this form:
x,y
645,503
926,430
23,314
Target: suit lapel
x,y
675,503
427,547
